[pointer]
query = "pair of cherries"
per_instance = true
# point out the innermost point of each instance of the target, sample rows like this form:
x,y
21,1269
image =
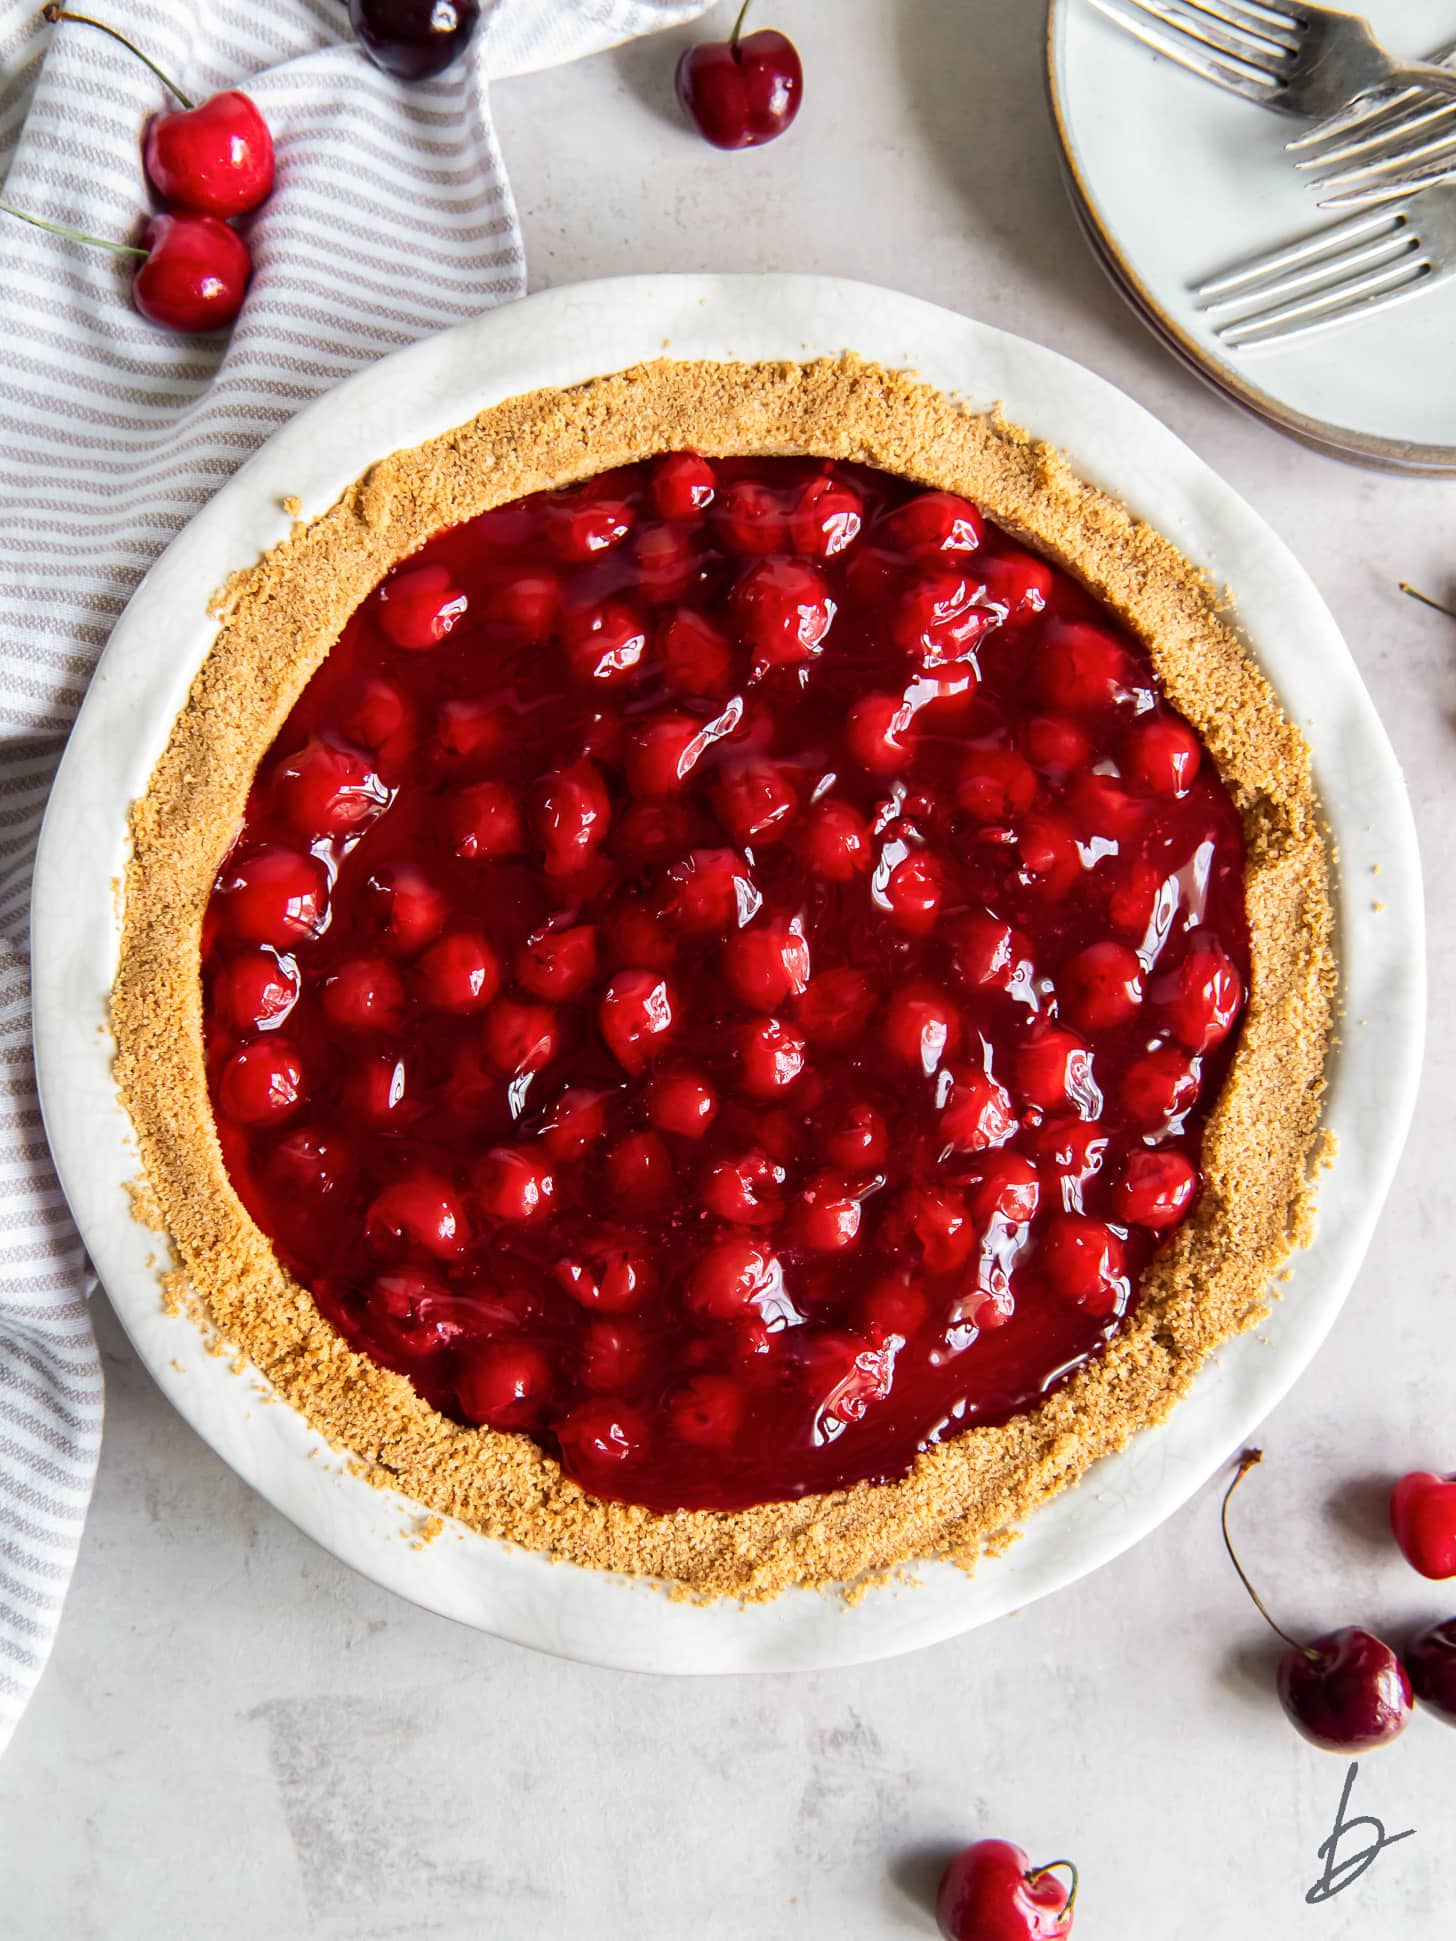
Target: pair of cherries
x,y
1348,1691
208,161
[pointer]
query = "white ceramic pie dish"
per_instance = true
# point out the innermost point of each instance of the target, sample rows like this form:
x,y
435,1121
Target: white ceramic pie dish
x,y
564,336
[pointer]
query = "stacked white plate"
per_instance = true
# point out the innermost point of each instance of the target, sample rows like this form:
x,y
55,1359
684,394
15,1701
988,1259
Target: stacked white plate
x,y
1175,180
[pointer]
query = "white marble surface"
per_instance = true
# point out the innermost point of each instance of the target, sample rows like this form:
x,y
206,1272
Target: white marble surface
x,y
238,1737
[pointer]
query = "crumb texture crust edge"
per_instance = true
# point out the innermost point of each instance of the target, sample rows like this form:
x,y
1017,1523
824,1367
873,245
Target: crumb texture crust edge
x,y
279,619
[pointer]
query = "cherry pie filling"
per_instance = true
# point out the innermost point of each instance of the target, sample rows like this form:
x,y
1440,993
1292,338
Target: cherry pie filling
x,y
723,972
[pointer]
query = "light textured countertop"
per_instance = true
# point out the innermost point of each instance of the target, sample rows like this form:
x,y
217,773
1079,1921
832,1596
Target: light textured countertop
x,y
237,1737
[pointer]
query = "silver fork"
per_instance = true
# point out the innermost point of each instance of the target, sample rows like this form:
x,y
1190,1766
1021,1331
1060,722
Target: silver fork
x,y
1284,54
1389,144
1337,274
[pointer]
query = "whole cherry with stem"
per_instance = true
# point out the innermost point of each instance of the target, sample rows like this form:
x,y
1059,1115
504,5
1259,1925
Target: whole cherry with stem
x,y
414,39
990,1892
1423,1519
1431,1660
208,158
192,271
743,91
1346,1691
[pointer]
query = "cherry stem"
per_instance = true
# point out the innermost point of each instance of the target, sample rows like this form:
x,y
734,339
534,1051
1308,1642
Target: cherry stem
x,y
74,235
1426,600
1247,1461
55,14
1050,1867
738,23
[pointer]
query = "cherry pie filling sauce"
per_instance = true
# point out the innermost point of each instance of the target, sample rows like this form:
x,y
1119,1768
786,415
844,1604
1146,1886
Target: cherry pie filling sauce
x,y
723,972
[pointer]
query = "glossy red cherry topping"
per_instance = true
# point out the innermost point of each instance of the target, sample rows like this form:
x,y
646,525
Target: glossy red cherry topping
x,y
723,972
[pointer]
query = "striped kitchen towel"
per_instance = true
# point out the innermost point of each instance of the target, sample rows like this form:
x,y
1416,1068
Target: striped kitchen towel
x,y
392,217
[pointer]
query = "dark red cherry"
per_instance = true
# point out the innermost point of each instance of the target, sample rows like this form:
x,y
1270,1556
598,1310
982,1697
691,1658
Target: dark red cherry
x,y
1430,1658
1345,1691
414,38
743,91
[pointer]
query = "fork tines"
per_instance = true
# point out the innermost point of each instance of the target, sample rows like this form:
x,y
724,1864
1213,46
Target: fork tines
x,y
1231,42
1360,264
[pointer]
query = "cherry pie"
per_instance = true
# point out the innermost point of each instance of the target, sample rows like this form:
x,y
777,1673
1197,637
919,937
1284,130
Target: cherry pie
x,y
727,974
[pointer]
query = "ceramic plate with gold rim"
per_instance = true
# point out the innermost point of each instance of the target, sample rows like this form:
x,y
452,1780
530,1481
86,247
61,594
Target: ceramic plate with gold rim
x,y
1376,391
564,339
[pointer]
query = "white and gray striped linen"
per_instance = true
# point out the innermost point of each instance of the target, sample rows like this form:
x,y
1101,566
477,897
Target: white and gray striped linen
x,y
392,217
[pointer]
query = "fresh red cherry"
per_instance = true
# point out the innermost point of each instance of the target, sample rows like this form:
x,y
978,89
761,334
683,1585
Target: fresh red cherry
x,y
991,1892
1346,1691
215,159
1430,1658
195,274
418,607
414,39
1423,1517
261,1084
211,158
743,91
